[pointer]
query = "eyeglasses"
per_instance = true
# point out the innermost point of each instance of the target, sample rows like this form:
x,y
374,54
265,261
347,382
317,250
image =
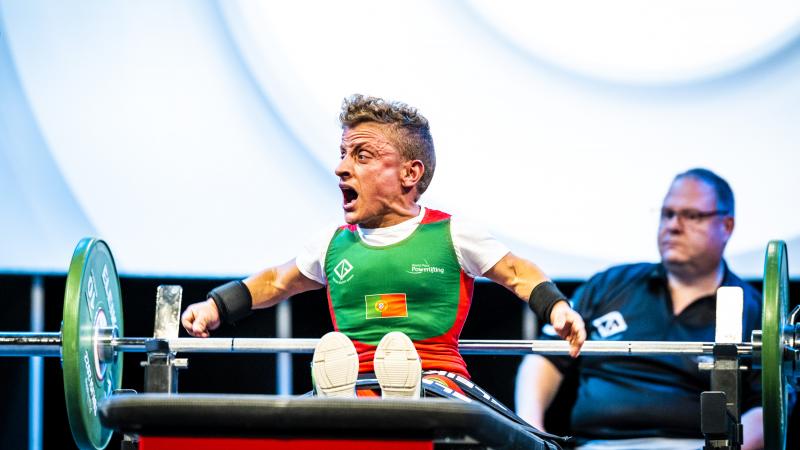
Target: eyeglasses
x,y
689,215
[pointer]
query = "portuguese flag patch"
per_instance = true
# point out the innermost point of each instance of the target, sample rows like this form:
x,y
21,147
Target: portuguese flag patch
x,y
381,306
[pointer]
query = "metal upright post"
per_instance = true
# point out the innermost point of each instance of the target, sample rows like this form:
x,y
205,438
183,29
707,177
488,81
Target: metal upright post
x,y
720,409
283,319
161,367
35,372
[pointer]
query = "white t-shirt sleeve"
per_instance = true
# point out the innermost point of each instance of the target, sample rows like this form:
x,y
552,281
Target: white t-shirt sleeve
x,y
310,260
477,250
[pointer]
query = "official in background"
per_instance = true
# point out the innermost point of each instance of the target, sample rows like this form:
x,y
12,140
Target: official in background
x,y
653,402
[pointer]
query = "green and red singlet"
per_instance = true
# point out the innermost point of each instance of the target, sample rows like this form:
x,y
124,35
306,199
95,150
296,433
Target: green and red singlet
x,y
416,286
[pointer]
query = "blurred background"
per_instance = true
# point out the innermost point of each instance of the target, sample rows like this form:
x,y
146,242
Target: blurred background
x,y
198,138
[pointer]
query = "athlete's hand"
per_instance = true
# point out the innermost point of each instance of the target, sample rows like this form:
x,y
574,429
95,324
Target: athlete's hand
x,y
569,325
200,318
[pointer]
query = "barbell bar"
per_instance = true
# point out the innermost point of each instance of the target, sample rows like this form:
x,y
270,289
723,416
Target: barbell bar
x,y
91,341
49,344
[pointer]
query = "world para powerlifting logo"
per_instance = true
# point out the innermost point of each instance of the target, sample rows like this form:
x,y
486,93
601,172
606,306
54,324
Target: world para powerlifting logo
x,y
417,269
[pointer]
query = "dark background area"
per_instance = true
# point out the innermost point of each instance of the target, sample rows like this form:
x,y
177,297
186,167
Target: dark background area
x,y
495,314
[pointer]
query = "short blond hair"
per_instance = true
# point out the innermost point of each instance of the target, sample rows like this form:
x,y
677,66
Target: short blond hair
x,y
410,130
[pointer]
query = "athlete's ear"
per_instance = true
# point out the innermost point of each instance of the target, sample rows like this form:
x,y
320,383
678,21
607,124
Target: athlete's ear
x,y
412,172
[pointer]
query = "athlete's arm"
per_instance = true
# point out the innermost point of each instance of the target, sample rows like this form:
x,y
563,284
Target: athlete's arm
x,y
521,276
538,381
271,286
267,288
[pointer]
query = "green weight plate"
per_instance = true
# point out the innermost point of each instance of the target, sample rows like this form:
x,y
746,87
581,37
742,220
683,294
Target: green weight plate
x,y
91,300
773,374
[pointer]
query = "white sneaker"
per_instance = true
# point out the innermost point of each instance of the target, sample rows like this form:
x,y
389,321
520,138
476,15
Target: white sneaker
x,y
334,368
397,366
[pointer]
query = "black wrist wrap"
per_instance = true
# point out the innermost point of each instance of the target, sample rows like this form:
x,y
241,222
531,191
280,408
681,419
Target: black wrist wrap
x,y
233,301
543,297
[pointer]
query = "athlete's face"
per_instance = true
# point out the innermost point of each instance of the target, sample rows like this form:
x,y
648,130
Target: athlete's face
x,y
370,175
692,232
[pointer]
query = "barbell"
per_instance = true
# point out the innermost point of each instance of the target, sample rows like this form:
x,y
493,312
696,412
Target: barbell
x,y
91,341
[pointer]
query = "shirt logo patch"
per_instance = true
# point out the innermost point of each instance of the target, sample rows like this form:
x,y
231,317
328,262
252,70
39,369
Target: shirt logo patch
x,y
342,270
381,306
417,269
610,324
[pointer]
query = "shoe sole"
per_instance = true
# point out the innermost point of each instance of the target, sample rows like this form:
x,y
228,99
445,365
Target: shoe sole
x,y
335,366
397,367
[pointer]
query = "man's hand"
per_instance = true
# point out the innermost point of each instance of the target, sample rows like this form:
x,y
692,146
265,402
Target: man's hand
x,y
569,325
200,318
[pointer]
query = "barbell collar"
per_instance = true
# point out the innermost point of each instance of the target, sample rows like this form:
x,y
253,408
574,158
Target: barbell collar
x,y
793,328
755,338
103,338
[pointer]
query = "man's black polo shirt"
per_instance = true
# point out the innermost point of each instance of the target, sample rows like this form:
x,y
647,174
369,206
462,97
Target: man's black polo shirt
x,y
641,396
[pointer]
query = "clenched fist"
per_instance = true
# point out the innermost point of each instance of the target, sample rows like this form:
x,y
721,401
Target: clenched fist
x,y
200,318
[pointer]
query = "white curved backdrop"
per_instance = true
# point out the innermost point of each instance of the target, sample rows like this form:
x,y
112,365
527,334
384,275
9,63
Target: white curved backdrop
x,y
199,138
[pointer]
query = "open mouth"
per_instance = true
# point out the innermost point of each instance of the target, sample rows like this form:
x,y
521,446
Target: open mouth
x,y
349,196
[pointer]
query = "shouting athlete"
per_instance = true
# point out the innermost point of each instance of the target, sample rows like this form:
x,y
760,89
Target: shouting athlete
x,y
399,276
